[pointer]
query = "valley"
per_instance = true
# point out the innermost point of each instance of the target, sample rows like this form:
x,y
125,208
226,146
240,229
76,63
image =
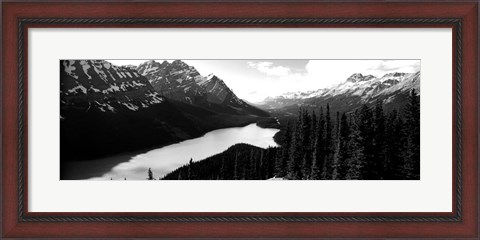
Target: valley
x,y
112,114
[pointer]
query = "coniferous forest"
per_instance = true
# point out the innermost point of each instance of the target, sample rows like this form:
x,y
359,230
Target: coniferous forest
x,y
367,143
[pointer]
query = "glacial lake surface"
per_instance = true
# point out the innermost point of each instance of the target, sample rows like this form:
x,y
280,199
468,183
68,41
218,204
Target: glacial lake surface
x,y
168,158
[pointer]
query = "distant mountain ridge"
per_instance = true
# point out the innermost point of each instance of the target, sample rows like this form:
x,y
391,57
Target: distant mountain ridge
x,y
356,89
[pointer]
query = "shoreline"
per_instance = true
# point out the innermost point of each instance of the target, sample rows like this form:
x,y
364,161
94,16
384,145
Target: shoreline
x,y
86,169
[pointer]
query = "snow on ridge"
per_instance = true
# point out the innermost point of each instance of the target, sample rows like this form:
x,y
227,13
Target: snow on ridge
x,y
130,106
411,81
119,75
358,85
151,69
135,83
79,87
94,89
69,68
100,73
113,88
155,97
85,67
123,74
210,76
105,106
200,80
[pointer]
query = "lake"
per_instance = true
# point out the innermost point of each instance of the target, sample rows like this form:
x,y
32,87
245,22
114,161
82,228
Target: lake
x,y
168,158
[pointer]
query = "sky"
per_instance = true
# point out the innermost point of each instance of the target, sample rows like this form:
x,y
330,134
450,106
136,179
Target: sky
x,y
254,80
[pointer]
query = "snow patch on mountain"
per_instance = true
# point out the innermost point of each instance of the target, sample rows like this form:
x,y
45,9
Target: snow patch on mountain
x,y
78,88
108,87
131,106
105,107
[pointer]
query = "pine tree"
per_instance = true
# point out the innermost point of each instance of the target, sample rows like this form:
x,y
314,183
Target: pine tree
x,y
306,145
236,175
261,166
279,170
190,170
296,152
247,167
223,170
336,150
412,122
318,148
328,163
284,158
253,164
313,130
355,149
268,161
342,153
150,174
367,136
379,141
395,139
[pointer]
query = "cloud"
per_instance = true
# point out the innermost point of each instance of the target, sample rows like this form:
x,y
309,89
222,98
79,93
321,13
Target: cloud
x,y
396,66
269,69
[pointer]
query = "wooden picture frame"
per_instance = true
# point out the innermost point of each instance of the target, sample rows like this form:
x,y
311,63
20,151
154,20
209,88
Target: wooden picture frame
x,y
18,17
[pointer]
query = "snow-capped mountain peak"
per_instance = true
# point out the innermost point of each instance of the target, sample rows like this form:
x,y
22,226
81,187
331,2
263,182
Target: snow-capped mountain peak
x,y
394,74
358,77
358,85
179,63
217,87
179,81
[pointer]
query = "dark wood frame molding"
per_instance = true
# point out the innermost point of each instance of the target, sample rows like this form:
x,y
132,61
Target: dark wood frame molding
x,y
17,18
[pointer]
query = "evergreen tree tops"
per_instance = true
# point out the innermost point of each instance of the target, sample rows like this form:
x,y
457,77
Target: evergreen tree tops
x,y
363,144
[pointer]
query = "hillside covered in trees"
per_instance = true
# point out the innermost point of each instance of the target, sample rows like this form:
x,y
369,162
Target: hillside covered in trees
x,y
364,144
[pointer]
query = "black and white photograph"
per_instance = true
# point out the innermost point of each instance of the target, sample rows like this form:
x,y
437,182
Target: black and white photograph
x,y
239,119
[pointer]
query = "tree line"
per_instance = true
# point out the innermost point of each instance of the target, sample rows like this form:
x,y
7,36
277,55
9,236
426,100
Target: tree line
x,y
366,143
363,144
239,162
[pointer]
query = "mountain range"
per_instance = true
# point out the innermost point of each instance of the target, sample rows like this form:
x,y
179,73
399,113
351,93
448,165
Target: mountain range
x,y
107,109
181,82
392,89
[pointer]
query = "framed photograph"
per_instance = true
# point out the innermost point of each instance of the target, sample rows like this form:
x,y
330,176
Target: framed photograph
x,y
240,119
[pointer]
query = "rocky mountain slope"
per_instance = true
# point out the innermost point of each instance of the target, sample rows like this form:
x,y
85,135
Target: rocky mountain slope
x,y
98,85
181,82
